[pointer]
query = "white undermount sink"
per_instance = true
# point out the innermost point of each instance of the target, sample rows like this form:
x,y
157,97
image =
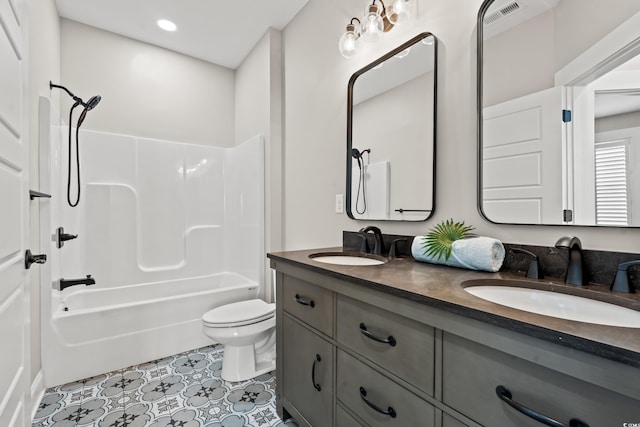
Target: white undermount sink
x,y
347,258
554,304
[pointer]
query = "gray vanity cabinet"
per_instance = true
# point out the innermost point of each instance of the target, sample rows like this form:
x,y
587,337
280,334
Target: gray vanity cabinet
x,y
386,360
336,352
472,372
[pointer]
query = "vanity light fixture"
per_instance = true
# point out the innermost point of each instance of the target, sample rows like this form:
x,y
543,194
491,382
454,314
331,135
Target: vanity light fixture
x,y
166,25
378,18
350,40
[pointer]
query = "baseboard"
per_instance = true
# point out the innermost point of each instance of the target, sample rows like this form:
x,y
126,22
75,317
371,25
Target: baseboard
x,y
37,391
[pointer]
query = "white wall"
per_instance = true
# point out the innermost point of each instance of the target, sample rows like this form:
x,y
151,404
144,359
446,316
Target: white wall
x,y
146,91
518,62
168,211
525,58
619,121
595,20
44,52
316,78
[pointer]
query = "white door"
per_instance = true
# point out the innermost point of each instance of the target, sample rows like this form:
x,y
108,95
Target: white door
x,y
522,159
14,215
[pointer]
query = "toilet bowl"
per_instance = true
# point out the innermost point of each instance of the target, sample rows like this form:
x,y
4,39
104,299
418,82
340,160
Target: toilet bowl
x,y
247,329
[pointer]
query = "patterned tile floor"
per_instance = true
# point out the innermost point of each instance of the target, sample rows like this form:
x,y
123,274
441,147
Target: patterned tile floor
x,y
183,390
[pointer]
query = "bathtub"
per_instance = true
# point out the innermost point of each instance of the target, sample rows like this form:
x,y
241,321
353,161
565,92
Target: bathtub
x,y
98,330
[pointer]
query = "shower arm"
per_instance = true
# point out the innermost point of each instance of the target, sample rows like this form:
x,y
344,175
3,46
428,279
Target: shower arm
x,y
75,98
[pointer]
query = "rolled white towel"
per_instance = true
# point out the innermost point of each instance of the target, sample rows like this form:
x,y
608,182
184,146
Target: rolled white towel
x,y
475,253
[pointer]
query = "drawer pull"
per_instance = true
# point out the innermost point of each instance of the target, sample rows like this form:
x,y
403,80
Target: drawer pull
x,y
390,411
505,395
389,340
304,301
313,372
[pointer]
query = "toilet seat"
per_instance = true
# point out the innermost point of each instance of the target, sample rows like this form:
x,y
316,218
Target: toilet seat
x,y
239,314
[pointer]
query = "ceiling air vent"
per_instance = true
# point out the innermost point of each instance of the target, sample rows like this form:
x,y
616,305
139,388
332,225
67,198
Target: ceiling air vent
x,y
501,13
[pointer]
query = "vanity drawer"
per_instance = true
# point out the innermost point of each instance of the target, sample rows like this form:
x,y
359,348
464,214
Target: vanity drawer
x,y
309,303
472,372
409,355
357,382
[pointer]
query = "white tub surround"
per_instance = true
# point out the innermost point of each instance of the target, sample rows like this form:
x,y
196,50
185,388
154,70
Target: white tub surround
x,y
163,228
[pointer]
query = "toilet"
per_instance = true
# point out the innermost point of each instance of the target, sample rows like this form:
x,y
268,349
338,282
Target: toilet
x,y
248,331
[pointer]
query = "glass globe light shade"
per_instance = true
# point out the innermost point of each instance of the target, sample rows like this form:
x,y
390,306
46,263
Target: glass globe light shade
x,y
400,11
348,43
372,25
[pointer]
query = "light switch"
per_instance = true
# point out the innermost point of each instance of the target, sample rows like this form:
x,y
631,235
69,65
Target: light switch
x,y
339,203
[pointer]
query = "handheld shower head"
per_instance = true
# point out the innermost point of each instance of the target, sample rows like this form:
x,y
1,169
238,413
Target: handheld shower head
x,y
88,106
355,153
92,102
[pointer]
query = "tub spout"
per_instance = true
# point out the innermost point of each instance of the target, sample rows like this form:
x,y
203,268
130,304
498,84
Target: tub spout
x,y
65,283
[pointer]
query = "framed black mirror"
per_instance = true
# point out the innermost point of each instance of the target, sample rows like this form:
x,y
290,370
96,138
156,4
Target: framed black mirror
x,y
559,112
391,116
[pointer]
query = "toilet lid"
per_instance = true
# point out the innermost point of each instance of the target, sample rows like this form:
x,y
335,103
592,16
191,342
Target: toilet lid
x,y
239,313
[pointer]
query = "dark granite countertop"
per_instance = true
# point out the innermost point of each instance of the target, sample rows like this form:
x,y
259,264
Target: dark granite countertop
x,y
443,287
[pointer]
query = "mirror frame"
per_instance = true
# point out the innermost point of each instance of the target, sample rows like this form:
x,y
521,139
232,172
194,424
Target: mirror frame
x,y
480,117
352,81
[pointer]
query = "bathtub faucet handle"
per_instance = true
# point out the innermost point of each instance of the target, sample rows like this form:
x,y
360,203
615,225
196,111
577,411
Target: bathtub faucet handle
x,y
62,237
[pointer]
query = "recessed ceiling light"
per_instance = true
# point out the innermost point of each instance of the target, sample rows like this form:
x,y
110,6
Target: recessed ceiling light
x,y
166,25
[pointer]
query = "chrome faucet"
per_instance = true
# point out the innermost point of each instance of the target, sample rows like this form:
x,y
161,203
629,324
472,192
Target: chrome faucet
x,y
575,268
378,249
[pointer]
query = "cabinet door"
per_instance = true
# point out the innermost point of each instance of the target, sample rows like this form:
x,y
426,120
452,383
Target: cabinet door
x,y
472,373
376,399
308,373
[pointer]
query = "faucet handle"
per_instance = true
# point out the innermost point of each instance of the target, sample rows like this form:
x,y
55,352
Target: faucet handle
x,y
621,280
394,247
534,271
364,247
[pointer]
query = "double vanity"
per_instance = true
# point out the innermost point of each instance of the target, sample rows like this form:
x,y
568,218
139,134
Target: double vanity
x,y
404,343
363,340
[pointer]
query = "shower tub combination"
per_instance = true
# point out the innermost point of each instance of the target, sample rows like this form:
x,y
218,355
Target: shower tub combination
x,y
167,230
